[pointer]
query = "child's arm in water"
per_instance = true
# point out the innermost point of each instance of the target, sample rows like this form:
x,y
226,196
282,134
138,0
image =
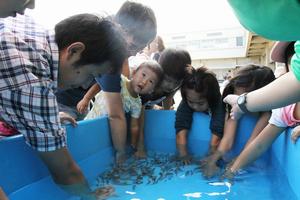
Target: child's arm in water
x,y
209,166
134,131
82,105
181,144
254,149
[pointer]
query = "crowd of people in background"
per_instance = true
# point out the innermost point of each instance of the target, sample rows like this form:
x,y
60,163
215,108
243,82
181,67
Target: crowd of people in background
x,y
118,66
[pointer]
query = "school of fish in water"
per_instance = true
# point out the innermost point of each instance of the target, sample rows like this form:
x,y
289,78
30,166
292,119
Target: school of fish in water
x,y
154,169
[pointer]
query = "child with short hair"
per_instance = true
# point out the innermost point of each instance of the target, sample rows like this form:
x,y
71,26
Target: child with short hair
x,y
200,93
174,63
144,79
248,78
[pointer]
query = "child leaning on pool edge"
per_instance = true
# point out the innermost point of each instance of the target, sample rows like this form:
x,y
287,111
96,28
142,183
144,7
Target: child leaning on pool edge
x,y
247,78
144,79
200,93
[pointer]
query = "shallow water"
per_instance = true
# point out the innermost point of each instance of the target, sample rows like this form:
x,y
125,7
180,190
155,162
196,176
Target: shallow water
x,y
160,177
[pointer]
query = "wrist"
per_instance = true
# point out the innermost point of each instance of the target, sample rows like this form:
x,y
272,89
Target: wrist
x,y
87,99
181,148
242,103
140,147
217,155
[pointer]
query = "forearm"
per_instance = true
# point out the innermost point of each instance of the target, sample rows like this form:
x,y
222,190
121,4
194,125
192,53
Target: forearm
x,y
125,69
259,145
264,99
134,131
117,120
141,122
118,129
228,137
260,125
213,145
91,93
181,142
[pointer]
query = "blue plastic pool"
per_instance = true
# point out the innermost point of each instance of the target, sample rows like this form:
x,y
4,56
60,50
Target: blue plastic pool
x,y
276,173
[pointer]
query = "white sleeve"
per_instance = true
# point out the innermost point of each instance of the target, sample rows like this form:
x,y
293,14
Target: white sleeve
x,y
276,119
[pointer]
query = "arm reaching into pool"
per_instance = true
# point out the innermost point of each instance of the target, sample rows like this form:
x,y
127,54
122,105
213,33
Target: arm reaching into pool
x,y
281,119
208,165
247,78
257,147
181,144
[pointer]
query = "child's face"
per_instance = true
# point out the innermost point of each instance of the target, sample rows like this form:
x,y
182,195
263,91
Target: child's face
x,y
144,81
169,84
196,101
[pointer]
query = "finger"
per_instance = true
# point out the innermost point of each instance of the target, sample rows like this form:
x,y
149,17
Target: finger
x,y
229,99
294,138
72,120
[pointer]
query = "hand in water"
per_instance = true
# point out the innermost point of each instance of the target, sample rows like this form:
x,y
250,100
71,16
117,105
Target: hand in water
x,y
104,192
228,174
99,194
140,154
208,165
121,157
186,160
209,169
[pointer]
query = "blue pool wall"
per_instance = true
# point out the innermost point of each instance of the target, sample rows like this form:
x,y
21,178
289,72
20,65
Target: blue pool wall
x,y
24,176
286,155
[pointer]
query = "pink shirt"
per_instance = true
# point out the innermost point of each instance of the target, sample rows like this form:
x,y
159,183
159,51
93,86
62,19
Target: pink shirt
x,y
284,117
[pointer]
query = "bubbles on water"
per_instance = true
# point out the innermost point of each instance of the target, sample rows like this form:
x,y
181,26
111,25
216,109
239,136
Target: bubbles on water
x,y
194,195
